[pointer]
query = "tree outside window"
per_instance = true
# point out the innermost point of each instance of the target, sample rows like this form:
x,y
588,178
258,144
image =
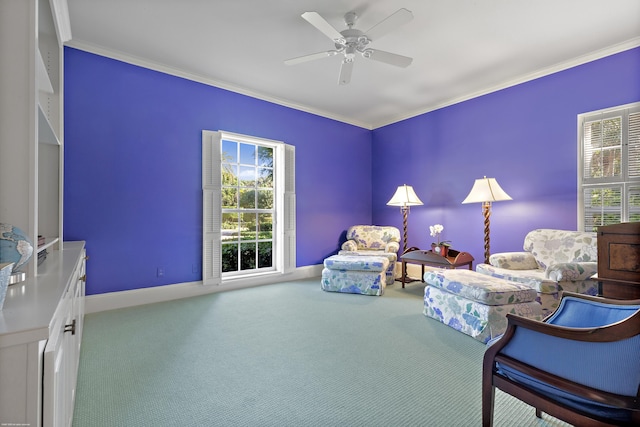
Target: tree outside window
x,y
248,200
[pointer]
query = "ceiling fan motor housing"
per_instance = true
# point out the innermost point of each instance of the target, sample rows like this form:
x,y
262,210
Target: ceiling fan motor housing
x,y
355,40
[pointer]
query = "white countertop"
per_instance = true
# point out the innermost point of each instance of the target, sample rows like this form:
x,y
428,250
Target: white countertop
x,y
30,305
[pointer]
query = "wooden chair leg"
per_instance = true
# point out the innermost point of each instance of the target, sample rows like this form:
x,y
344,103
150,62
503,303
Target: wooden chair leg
x,y
488,399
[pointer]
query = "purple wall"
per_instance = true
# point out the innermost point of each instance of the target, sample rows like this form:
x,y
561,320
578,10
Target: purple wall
x,y
133,170
524,136
133,164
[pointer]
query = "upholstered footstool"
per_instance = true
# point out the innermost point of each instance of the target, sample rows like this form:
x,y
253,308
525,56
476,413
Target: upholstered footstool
x,y
355,274
476,304
390,273
549,291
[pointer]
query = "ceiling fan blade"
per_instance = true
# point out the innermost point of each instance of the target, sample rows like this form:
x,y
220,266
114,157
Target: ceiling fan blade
x,y
345,72
388,58
305,58
321,24
400,17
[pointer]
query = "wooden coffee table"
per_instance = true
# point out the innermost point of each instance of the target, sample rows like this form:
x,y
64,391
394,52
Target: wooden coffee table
x,y
454,259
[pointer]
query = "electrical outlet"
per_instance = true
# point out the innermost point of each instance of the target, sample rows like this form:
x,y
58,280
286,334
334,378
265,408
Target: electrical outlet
x,y
160,271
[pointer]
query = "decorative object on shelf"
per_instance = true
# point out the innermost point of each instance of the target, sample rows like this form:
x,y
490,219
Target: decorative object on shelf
x,y
486,190
15,247
5,274
440,247
404,197
42,255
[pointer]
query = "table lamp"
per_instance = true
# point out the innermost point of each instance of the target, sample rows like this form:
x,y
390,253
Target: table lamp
x,y
486,190
404,197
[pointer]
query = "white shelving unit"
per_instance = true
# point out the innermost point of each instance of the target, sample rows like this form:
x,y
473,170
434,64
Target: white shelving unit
x,y
31,119
41,322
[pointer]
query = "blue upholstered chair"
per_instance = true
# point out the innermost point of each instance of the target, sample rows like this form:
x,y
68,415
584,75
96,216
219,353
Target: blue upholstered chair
x,y
581,364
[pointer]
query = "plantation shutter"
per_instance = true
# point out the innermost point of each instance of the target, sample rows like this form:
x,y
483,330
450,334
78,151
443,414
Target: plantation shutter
x,y
609,182
633,195
289,238
602,147
211,209
603,206
285,244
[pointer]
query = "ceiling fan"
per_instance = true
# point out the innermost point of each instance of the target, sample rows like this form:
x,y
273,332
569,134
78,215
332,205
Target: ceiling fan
x,y
351,41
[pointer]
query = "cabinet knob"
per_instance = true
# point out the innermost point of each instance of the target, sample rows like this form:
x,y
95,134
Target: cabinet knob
x,y
71,327
83,278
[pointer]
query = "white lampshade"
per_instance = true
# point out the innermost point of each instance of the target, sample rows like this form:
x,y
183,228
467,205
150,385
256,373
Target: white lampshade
x,y
486,190
405,196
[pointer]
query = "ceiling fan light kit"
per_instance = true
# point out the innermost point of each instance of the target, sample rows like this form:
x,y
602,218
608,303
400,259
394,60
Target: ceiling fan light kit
x,y
351,41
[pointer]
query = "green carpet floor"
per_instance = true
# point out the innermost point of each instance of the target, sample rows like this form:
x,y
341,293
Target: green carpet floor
x,y
284,355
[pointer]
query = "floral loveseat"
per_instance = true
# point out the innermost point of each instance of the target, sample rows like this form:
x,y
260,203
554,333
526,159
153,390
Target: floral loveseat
x,y
552,261
374,240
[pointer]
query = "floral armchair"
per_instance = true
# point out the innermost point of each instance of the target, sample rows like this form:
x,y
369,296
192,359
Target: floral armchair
x,y
552,261
374,240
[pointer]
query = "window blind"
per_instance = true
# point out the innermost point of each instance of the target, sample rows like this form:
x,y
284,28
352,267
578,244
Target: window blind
x,y
609,169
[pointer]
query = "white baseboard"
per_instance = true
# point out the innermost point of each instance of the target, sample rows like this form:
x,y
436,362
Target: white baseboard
x,y
115,300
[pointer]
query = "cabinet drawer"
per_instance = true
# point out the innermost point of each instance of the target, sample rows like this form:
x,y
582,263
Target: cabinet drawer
x,y
618,289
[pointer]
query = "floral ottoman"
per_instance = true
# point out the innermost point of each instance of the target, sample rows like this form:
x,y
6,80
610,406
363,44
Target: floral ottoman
x,y
390,273
476,304
355,274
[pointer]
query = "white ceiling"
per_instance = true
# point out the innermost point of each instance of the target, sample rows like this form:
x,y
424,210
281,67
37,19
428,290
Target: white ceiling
x,y
461,48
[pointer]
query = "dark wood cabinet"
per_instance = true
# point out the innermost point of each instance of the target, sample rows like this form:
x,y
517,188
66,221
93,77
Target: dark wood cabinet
x,y
619,260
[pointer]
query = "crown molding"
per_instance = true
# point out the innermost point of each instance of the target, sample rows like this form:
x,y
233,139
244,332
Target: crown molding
x,y
574,62
134,60
60,11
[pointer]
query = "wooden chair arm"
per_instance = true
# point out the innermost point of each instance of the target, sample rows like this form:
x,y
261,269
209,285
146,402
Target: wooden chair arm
x,y
602,299
610,333
628,402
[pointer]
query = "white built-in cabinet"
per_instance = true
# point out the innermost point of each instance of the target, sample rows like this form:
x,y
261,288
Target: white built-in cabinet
x,y
40,337
41,322
32,33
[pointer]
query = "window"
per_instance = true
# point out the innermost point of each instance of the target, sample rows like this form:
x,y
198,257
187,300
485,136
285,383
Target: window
x,y
248,206
609,167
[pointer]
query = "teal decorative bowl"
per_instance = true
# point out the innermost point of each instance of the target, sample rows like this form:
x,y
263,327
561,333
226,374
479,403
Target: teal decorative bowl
x,y
15,246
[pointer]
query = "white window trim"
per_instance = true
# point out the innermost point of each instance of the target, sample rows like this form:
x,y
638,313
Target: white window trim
x,y
285,219
624,182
